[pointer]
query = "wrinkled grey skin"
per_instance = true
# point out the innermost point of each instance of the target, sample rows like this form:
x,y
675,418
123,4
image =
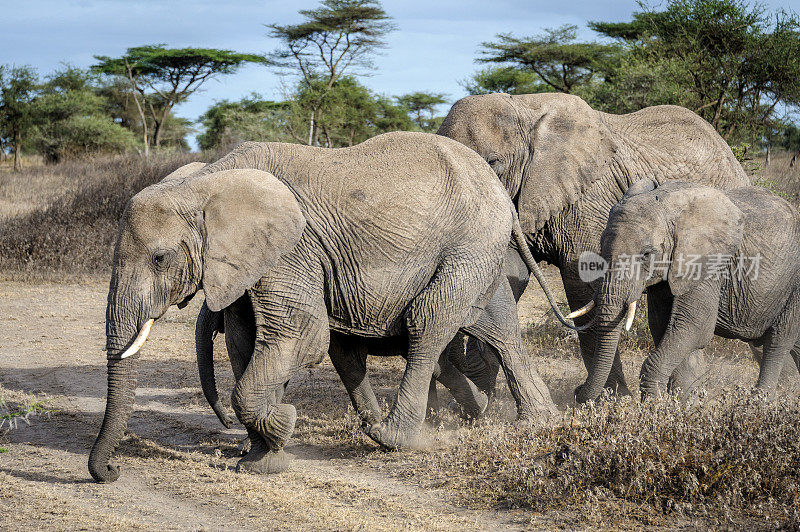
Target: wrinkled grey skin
x,y
402,236
565,165
678,219
472,398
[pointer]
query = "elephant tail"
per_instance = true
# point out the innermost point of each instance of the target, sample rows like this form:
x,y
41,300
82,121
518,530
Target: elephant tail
x,y
208,324
530,262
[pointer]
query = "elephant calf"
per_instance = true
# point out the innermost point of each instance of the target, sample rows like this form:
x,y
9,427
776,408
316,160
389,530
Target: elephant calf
x,y
713,262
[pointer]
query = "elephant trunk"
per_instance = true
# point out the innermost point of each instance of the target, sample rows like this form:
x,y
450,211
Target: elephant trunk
x,y
126,331
208,323
119,405
610,313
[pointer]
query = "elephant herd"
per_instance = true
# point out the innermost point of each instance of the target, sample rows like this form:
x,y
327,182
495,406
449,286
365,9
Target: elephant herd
x,y
410,242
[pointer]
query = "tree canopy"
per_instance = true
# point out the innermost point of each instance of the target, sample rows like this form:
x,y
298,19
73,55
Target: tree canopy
x,y
559,62
18,91
172,74
735,64
337,38
422,108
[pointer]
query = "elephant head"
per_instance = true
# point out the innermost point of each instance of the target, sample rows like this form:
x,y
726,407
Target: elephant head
x,y
195,229
667,233
527,140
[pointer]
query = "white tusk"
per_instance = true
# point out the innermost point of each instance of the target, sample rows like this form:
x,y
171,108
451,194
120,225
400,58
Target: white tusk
x,y
140,339
581,311
631,315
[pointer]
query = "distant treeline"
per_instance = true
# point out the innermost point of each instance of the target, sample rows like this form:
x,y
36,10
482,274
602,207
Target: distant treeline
x,y
737,65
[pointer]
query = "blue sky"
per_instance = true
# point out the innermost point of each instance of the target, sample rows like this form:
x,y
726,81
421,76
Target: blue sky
x,y
433,48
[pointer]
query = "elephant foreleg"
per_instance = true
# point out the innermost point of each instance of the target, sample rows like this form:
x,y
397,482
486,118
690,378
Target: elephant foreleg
x,y
690,372
470,398
690,328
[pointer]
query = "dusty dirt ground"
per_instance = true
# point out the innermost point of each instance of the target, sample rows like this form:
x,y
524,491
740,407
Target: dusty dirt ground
x,y
177,462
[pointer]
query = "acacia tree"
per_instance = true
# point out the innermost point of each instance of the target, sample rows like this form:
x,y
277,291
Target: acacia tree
x,y
72,118
561,64
252,118
171,75
736,65
422,108
18,91
335,39
348,113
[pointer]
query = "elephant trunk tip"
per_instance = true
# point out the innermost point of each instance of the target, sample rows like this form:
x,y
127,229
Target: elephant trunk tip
x,y
103,473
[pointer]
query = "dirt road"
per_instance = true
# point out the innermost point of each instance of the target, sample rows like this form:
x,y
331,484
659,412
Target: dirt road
x,y
177,463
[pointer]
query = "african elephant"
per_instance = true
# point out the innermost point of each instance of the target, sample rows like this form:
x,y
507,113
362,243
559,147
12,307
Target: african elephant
x,y
471,398
565,165
401,236
712,262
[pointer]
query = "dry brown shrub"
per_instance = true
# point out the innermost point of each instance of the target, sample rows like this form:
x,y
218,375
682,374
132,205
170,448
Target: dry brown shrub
x,y
74,232
736,459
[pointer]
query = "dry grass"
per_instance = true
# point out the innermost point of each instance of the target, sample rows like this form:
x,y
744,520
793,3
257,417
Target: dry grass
x,y
780,178
730,460
63,219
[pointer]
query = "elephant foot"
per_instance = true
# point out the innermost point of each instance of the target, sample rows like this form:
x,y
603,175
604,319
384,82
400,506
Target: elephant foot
x,y
582,395
390,436
618,388
278,427
263,461
471,411
538,413
653,390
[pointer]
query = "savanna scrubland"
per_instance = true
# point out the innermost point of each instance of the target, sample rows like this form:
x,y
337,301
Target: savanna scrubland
x,y
723,459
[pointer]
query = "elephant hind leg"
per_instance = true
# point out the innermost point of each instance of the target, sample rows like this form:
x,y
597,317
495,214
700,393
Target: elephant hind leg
x,y
498,326
776,350
432,321
349,357
781,340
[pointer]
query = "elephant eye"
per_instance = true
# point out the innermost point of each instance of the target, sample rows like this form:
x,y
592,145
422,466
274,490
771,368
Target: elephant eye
x,y
162,259
495,162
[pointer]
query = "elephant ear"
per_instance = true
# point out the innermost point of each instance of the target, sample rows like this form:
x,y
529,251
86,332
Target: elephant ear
x,y
250,220
708,230
571,149
182,173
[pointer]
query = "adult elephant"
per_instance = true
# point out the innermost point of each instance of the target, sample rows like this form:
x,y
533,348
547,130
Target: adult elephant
x,y
400,238
565,165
